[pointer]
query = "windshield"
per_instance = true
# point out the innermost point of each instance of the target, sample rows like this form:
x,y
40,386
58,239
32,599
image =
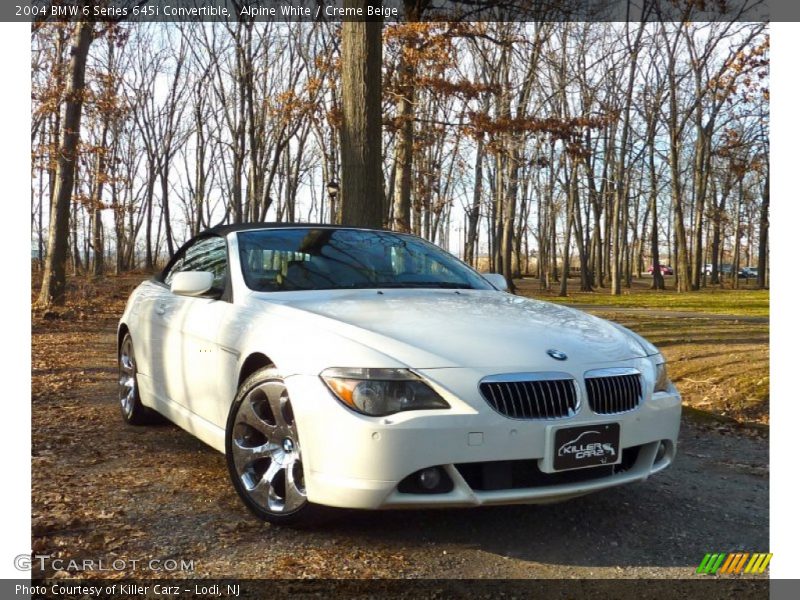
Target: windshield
x,y
275,260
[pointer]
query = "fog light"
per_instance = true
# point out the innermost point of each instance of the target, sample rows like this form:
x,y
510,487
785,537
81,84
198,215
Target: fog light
x,y
662,451
430,478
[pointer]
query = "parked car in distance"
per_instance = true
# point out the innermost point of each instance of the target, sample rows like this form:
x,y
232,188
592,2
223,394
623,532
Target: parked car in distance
x,y
726,270
749,273
665,270
370,369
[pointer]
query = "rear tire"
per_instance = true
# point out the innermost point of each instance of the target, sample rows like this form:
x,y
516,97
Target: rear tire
x,y
133,411
263,453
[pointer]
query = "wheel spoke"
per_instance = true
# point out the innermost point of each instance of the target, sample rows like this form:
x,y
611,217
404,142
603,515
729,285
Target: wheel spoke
x,y
243,456
277,398
295,496
126,364
264,490
127,380
126,359
126,400
272,472
248,416
278,406
260,493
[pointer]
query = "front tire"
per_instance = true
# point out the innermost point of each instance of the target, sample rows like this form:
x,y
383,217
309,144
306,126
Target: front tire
x,y
263,453
133,411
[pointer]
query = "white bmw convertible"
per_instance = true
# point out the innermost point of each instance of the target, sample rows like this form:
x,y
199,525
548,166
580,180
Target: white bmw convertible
x,y
369,369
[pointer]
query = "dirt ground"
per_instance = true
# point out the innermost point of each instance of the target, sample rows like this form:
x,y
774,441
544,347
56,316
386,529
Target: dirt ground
x,y
102,489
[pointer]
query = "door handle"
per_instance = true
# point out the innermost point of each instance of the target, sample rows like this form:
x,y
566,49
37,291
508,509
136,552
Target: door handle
x,y
161,309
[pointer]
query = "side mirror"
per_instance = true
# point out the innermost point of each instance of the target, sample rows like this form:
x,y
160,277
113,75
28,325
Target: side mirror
x,y
497,280
191,283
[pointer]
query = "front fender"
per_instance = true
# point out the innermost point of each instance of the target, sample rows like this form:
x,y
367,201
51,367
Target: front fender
x,y
298,348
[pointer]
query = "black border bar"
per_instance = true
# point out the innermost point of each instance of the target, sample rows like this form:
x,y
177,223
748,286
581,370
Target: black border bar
x,y
393,10
701,586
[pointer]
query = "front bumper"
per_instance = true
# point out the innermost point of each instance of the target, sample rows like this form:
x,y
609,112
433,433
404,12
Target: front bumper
x,y
353,461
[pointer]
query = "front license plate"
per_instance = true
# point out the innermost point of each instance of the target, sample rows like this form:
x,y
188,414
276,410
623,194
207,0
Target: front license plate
x,y
586,446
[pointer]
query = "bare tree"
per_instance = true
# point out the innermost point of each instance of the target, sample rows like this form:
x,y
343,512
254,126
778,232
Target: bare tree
x,y
54,281
362,187
600,146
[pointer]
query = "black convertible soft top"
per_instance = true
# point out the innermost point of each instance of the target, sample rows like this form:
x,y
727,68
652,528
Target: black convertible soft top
x,y
226,229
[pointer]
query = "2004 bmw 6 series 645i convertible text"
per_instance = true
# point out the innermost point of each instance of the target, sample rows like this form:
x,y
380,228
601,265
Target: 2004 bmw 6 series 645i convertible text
x,y
369,369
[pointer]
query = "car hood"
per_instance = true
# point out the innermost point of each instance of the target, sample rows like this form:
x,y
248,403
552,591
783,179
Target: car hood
x,y
463,328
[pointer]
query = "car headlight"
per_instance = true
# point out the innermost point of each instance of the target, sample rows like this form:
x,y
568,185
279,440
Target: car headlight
x,y
662,379
380,392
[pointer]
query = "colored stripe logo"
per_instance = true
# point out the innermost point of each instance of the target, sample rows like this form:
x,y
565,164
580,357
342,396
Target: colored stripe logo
x,y
734,563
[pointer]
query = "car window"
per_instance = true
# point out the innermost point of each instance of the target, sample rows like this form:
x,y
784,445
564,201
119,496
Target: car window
x,y
208,254
313,259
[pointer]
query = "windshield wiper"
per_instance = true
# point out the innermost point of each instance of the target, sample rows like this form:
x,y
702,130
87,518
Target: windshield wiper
x,y
448,285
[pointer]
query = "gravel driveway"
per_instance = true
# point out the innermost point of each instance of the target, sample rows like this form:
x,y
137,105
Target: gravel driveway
x,y
103,489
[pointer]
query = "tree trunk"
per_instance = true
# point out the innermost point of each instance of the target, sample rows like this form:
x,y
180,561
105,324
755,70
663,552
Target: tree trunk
x,y
619,220
404,149
595,247
509,217
567,237
473,215
98,266
737,234
658,278
149,259
682,282
582,244
716,232
362,193
702,167
763,237
498,214
77,264
164,176
54,281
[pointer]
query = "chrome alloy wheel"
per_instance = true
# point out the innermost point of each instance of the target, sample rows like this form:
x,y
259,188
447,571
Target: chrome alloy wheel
x,y
127,378
266,450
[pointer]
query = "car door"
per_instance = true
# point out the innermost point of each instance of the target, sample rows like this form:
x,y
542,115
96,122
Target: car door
x,y
203,365
163,318
148,328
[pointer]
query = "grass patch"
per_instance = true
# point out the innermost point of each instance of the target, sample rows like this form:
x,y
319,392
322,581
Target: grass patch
x,y
720,366
716,300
